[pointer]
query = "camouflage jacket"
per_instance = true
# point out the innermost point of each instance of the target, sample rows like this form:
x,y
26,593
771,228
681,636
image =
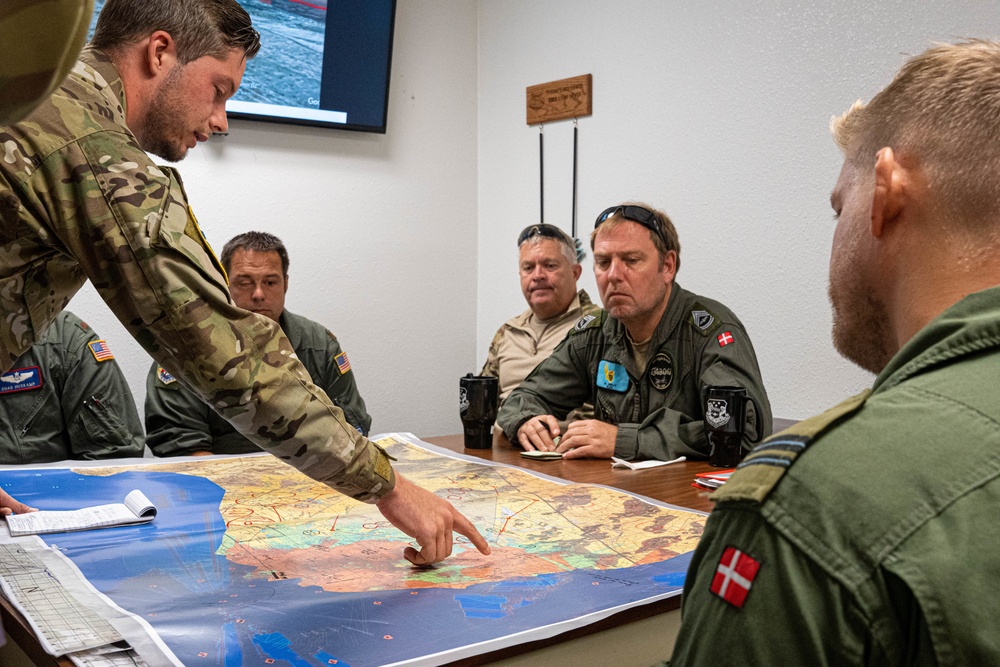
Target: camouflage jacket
x,y
515,350
66,398
79,199
178,423
659,412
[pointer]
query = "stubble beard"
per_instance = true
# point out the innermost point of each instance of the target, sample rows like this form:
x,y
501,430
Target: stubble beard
x,y
161,123
860,326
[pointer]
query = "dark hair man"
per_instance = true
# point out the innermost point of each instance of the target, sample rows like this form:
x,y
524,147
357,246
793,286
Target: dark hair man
x,y
80,199
179,423
644,362
867,535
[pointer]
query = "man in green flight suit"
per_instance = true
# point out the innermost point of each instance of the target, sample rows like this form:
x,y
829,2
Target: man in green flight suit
x,y
178,423
643,362
66,398
80,199
868,535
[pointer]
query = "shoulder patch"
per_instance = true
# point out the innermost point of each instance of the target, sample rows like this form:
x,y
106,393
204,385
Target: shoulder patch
x,y
100,350
331,336
163,376
702,320
764,467
343,363
589,322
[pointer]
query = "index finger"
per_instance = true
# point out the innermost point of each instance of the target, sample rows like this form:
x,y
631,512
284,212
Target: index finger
x,y
465,527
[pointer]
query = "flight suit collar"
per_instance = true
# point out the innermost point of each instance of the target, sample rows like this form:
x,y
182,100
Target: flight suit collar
x,y
615,332
289,324
970,326
520,322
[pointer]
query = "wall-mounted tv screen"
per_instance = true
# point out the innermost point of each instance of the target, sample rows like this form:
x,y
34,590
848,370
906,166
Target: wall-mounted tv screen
x,y
321,62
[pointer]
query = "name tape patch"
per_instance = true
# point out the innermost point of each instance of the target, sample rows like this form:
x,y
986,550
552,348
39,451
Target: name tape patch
x,y
21,379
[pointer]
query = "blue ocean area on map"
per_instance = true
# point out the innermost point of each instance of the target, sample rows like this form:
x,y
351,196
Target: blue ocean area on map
x,y
215,612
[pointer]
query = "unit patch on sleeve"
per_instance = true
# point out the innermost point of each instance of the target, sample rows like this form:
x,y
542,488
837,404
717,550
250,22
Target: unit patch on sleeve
x,y
702,319
734,576
343,363
726,338
100,350
612,376
163,376
21,379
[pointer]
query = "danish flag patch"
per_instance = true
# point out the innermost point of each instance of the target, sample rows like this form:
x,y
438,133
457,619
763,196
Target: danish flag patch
x,y
734,576
726,338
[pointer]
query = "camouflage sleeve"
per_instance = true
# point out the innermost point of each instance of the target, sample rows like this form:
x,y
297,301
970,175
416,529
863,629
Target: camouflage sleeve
x,y
145,254
339,384
98,409
556,386
492,366
176,420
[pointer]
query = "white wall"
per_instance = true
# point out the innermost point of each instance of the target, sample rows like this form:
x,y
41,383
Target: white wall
x,y
381,230
716,112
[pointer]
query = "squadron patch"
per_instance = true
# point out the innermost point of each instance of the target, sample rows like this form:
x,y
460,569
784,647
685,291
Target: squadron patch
x,y
702,319
584,321
734,576
661,371
612,376
100,350
163,376
21,379
717,412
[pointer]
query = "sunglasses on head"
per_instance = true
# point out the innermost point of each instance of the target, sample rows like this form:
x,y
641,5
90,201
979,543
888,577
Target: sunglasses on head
x,y
543,229
638,214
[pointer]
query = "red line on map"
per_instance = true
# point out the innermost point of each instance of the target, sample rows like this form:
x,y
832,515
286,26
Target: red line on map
x,y
276,512
334,526
514,515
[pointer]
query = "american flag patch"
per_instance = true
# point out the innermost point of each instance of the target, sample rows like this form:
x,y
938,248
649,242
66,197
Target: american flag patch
x,y
342,362
100,350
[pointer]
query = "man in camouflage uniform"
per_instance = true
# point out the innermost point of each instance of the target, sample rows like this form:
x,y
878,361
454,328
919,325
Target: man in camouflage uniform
x,y
66,398
549,268
868,535
178,423
40,42
644,362
80,199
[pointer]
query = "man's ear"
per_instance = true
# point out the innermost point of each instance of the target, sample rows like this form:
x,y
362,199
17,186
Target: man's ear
x,y
160,54
890,191
286,283
669,266
577,270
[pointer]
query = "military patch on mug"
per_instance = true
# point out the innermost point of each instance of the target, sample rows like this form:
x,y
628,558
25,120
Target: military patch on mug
x,y
661,371
463,399
717,412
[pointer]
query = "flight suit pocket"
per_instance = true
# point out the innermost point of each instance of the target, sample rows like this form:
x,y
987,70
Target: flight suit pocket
x,y
100,425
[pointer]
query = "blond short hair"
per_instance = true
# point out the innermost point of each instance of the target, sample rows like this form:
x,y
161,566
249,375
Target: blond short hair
x,y
943,109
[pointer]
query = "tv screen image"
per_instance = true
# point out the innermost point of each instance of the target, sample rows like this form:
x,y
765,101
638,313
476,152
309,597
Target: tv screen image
x,y
321,62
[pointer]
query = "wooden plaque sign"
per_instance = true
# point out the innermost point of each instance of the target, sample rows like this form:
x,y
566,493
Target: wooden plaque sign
x,y
558,100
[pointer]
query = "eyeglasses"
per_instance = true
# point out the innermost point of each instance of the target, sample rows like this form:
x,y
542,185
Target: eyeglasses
x,y
548,231
638,214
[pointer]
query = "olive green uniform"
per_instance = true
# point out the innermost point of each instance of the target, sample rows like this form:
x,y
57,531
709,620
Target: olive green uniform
x,y
524,341
79,199
178,423
658,410
874,525
40,42
66,398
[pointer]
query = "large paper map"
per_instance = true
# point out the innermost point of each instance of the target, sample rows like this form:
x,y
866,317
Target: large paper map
x,y
249,562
